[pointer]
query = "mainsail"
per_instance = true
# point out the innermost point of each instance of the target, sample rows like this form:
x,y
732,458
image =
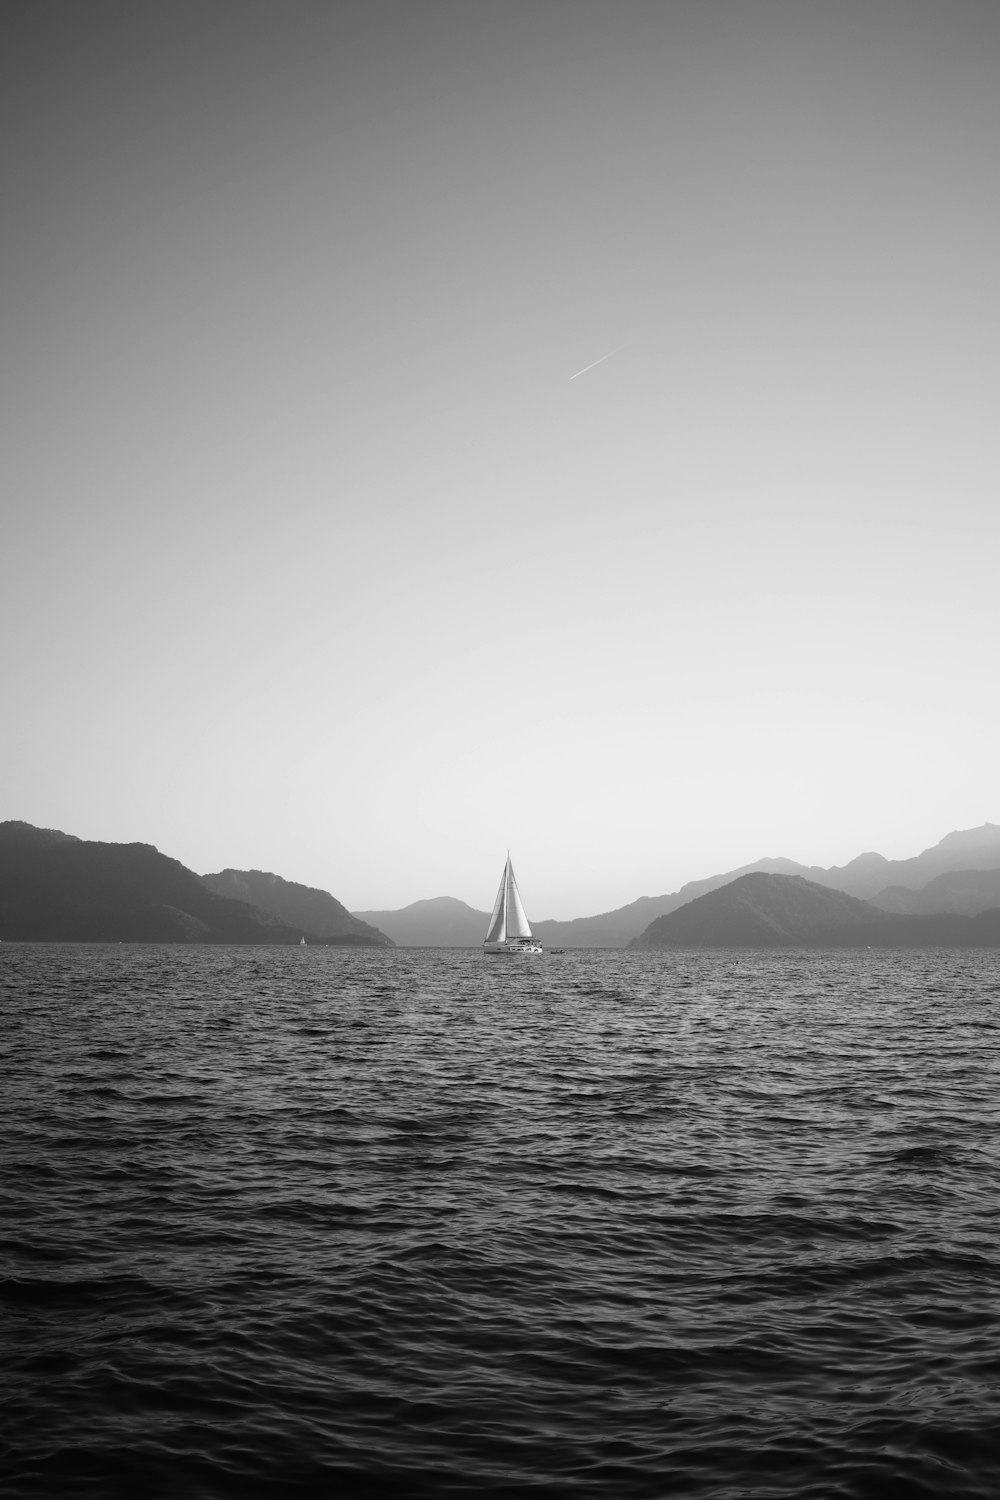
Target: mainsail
x,y
508,919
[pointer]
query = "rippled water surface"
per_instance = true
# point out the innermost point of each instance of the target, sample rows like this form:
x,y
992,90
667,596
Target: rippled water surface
x,y
289,1221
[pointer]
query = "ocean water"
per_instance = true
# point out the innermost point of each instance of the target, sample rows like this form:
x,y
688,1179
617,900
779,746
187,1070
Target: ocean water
x,y
415,1223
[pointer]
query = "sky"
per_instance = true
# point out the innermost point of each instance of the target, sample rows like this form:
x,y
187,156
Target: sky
x,y
320,555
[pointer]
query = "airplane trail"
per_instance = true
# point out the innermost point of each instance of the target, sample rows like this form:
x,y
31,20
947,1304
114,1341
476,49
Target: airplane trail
x,y
597,362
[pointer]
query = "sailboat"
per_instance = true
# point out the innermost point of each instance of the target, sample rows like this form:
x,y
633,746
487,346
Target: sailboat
x,y
509,931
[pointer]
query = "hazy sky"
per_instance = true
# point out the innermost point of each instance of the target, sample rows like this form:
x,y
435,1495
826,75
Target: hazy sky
x,y
316,559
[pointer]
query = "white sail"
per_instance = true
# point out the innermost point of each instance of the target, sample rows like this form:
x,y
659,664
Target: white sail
x,y
498,921
509,930
517,922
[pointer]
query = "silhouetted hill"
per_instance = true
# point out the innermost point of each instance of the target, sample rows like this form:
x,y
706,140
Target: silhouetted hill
x,y
616,929
770,911
438,922
867,874
54,887
19,835
963,892
301,906
761,908
966,849
862,877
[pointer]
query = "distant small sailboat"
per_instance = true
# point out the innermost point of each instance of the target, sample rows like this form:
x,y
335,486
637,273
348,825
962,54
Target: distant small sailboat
x,y
509,931
302,942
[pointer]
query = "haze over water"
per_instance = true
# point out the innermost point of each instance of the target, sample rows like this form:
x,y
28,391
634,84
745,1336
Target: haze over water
x,y
427,1223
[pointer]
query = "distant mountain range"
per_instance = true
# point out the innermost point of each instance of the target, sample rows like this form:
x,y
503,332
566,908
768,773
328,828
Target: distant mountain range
x,y
57,887
973,854
54,887
761,910
440,922
964,892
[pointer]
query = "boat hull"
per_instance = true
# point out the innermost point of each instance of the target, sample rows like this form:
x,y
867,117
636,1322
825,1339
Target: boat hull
x,y
516,945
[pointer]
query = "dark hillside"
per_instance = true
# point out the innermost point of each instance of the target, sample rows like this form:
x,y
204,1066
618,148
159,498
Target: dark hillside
x,y
57,888
301,906
762,910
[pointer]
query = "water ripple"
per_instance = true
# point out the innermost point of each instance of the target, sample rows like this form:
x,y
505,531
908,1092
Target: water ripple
x,y
281,1222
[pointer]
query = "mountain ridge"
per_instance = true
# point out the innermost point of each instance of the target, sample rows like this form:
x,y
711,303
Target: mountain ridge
x,y
149,897
864,877
960,892
433,922
761,910
303,906
55,887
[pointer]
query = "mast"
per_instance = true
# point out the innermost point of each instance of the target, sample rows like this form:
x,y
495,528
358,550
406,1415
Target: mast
x,y
517,919
509,919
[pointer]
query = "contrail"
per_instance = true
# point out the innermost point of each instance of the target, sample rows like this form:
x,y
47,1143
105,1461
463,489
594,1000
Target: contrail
x,y
597,362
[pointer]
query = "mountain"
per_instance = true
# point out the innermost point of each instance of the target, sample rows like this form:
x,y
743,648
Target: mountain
x,y
54,887
761,910
866,877
862,877
867,874
966,849
439,922
301,906
616,929
964,892
446,922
